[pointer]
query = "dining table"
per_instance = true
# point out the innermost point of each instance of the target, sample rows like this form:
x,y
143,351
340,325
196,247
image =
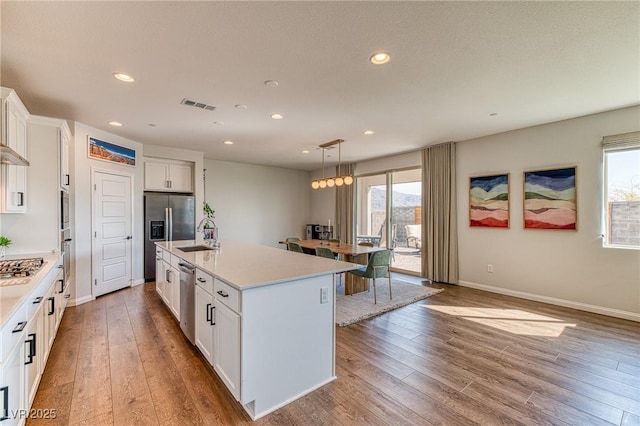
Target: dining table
x,y
353,253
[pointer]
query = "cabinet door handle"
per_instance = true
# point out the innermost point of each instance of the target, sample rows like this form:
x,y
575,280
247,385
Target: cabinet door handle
x,y
19,327
20,199
213,316
52,306
223,293
209,313
61,286
5,397
67,296
67,178
202,280
167,275
37,300
32,348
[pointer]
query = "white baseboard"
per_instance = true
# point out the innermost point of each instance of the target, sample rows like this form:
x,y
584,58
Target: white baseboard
x,y
553,301
76,302
137,282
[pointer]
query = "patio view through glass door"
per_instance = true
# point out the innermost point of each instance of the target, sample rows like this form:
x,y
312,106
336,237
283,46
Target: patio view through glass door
x,y
389,212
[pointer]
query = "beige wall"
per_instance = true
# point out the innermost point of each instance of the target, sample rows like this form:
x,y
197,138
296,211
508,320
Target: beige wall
x,y
565,267
258,204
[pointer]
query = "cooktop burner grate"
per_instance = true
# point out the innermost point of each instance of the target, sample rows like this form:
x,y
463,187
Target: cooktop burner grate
x,y
20,267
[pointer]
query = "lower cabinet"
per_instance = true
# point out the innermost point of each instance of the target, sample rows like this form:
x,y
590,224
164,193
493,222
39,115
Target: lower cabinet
x,y
33,356
204,322
226,347
168,284
26,342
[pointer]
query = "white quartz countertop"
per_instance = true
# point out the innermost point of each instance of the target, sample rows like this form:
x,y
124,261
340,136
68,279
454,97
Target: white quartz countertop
x,y
245,265
13,296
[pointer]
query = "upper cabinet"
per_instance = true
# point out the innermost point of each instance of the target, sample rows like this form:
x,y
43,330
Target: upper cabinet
x,y
13,134
167,175
64,137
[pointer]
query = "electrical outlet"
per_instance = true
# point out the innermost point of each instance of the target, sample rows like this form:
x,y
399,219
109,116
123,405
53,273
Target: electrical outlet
x,y
324,295
490,268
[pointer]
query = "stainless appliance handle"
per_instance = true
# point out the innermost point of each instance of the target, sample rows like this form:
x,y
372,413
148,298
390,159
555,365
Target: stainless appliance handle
x,y
185,267
170,224
166,222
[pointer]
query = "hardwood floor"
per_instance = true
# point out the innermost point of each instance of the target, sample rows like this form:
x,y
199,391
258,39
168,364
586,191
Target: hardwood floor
x,y
461,357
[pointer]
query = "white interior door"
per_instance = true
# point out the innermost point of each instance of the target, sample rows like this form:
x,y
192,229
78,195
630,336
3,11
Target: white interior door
x,y
112,219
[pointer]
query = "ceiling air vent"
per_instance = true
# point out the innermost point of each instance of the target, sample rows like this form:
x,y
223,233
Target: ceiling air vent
x,y
195,104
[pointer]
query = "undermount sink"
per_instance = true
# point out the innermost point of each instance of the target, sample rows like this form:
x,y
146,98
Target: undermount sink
x,y
199,247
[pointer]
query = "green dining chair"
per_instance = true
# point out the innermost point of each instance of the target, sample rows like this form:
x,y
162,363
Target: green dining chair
x,y
326,252
292,246
377,267
365,244
291,240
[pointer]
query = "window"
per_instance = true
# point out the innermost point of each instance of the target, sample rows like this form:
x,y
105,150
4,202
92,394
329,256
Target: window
x,y
622,190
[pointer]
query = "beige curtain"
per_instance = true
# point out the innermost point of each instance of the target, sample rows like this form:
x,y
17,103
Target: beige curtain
x,y
439,218
344,207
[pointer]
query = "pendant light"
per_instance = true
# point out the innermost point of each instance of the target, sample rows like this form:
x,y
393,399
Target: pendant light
x,y
338,180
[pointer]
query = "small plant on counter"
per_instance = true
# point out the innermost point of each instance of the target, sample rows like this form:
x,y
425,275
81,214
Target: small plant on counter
x,y
4,243
209,213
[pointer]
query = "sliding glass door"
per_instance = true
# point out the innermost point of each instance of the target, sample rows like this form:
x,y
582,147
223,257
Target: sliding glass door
x,y
388,214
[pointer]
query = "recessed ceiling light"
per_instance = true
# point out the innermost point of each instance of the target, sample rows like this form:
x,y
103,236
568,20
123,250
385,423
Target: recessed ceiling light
x,y
123,77
152,125
277,116
228,142
218,123
493,114
271,83
240,106
306,151
115,123
380,58
368,132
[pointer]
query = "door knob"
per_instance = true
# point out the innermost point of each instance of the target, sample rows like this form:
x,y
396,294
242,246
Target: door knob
x,y
128,237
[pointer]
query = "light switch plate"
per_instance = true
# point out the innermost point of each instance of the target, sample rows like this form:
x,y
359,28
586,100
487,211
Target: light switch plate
x,y
324,295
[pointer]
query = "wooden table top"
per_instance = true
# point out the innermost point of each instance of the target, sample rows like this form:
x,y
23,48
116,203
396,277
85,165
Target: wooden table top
x,y
342,248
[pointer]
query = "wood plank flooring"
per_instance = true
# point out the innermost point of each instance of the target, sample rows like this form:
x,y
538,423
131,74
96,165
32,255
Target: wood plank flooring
x,y
461,357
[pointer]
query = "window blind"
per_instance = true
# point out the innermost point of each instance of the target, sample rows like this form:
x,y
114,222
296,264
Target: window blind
x,y
623,141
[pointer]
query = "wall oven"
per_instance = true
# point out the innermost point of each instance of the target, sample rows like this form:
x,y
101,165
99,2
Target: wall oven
x,y
64,210
65,248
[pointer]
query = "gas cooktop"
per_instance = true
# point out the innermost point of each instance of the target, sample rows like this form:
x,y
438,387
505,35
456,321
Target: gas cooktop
x,y
20,267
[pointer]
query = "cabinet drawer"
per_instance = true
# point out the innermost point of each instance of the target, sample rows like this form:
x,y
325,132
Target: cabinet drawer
x,y
9,338
204,281
227,294
175,262
166,256
38,297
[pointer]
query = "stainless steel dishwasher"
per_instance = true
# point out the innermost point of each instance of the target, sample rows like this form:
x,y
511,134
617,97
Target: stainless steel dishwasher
x,y
187,300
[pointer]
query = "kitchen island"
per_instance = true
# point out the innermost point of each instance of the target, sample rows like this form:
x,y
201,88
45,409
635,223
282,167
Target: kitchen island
x,y
271,314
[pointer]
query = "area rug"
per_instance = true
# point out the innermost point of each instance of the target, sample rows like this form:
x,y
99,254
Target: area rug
x,y
351,309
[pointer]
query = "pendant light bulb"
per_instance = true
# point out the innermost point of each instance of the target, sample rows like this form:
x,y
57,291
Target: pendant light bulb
x,y
348,180
315,184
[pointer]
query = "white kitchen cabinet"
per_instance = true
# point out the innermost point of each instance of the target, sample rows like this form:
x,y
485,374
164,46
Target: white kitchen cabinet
x,y
167,175
13,133
204,322
226,346
49,319
160,276
175,292
64,138
33,356
12,387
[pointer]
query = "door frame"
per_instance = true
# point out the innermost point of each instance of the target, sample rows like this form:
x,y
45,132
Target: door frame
x,y
131,177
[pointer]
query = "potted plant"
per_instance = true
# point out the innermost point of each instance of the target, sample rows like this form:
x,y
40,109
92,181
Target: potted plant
x,y
4,243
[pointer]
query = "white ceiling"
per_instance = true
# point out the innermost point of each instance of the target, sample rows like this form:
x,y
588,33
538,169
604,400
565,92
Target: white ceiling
x,y
452,64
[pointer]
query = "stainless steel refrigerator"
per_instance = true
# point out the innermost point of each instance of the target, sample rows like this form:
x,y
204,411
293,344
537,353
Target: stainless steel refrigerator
x,y
167,217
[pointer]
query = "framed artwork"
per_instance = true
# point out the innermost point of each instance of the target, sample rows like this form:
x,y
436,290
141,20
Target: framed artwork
x,y
550,199
489,201
106,151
